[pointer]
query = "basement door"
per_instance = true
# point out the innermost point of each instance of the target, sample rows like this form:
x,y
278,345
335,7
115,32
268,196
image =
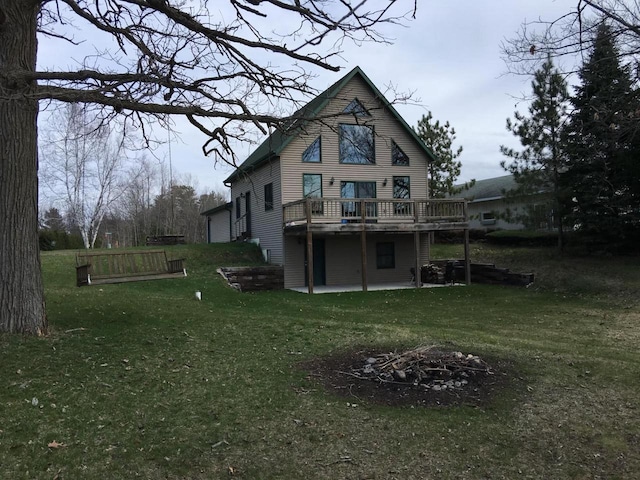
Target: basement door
x,y
319,264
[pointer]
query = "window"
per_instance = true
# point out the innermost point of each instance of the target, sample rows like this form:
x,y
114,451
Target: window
x,y
312,187
312,153
356,144
268,197
398,157
487,218
358,190
385,255
238,207
402,189
356,108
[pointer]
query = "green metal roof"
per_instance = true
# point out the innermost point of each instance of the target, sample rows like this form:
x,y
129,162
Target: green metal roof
x,y
278,140
489,188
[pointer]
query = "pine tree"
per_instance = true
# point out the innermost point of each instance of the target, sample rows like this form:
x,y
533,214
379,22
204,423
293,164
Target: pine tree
x,y
536,168
443,171
603,148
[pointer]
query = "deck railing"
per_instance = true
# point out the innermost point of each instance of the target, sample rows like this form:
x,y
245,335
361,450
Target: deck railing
x,y
370,210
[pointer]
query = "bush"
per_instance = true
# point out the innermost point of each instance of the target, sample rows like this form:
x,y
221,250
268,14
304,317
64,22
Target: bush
x,y
57,240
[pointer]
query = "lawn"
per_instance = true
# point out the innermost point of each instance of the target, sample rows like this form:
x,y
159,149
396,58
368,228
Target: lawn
x,y
140,380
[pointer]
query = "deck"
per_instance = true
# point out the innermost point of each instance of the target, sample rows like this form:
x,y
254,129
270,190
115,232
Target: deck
x,y
331,215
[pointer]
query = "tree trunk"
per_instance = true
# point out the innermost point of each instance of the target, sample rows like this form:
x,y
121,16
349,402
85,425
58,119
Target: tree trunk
x,y
22,307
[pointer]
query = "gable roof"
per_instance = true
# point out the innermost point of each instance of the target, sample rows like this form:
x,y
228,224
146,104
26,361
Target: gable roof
x,y
489,189
278,140
225,206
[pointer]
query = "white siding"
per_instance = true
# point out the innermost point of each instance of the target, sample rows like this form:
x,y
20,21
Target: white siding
x,y
218,225
266,226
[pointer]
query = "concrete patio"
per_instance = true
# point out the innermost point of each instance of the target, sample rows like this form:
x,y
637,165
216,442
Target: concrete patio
x,y
371,287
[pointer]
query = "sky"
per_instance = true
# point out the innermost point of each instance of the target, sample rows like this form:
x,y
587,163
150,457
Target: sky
x,y
449,57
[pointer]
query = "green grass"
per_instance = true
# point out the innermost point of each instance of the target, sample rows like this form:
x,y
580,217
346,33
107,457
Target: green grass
x,y
140,380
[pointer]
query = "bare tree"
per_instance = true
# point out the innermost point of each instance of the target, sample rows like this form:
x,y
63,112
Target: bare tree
x,y
161,57
570,36
82,163
134,207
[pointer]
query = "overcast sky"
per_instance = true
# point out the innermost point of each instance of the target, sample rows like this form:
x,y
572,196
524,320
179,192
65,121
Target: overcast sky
x,y
449,56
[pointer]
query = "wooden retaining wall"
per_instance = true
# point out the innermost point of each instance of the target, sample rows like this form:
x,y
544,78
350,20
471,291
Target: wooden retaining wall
x,y
251,279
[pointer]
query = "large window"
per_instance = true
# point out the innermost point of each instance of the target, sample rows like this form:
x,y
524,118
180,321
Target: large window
x,y
358,190
401,190
268,197
238,207
312,153
312,187
356,144
398,157
385,255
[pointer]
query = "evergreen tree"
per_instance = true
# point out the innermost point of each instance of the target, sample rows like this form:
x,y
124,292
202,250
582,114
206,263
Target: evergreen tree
x,y
603,148
443,171
537,167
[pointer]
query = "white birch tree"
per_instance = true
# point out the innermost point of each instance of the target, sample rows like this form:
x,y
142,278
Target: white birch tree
x,y
82,162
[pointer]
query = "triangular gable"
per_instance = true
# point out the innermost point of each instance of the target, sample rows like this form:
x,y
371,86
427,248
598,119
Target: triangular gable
x,y
278,140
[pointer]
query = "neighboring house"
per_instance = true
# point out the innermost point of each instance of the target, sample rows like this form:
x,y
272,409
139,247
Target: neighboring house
x,y
490,208
341,197
219,223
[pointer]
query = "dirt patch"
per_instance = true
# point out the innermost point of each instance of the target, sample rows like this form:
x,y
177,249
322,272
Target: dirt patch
x,y
425,376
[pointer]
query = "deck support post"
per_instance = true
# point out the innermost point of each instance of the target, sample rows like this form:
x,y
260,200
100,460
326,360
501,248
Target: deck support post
x,y
467,260
309,249
416,244
363,246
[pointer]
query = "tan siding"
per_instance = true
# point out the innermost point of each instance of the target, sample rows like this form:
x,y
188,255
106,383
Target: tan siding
x,y
265,225
218,225
294,261
387,128
342,252
343,264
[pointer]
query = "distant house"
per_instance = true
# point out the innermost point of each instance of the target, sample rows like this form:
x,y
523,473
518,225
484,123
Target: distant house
x,y
341,197
219,223
490,208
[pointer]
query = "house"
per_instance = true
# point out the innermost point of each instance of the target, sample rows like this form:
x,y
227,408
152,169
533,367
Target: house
x,y
341,197
219,223
491,208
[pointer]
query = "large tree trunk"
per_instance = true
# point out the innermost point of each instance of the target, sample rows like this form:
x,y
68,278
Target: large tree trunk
x,y
22,307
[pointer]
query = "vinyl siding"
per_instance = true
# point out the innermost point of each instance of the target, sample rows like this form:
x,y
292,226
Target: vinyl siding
x,y
266,226
386,129
342,259
500,206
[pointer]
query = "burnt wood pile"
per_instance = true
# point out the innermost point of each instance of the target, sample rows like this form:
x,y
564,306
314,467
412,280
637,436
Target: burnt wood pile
x,y
424,367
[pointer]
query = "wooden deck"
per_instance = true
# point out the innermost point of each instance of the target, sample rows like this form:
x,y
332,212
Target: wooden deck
x,y
331,215
362,216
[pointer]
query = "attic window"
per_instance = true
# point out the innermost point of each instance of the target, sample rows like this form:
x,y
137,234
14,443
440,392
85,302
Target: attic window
x,y
356,108
398,157
312,152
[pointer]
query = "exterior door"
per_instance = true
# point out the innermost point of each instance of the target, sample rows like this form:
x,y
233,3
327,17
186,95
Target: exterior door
x,y
247,199
319,264
358,190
